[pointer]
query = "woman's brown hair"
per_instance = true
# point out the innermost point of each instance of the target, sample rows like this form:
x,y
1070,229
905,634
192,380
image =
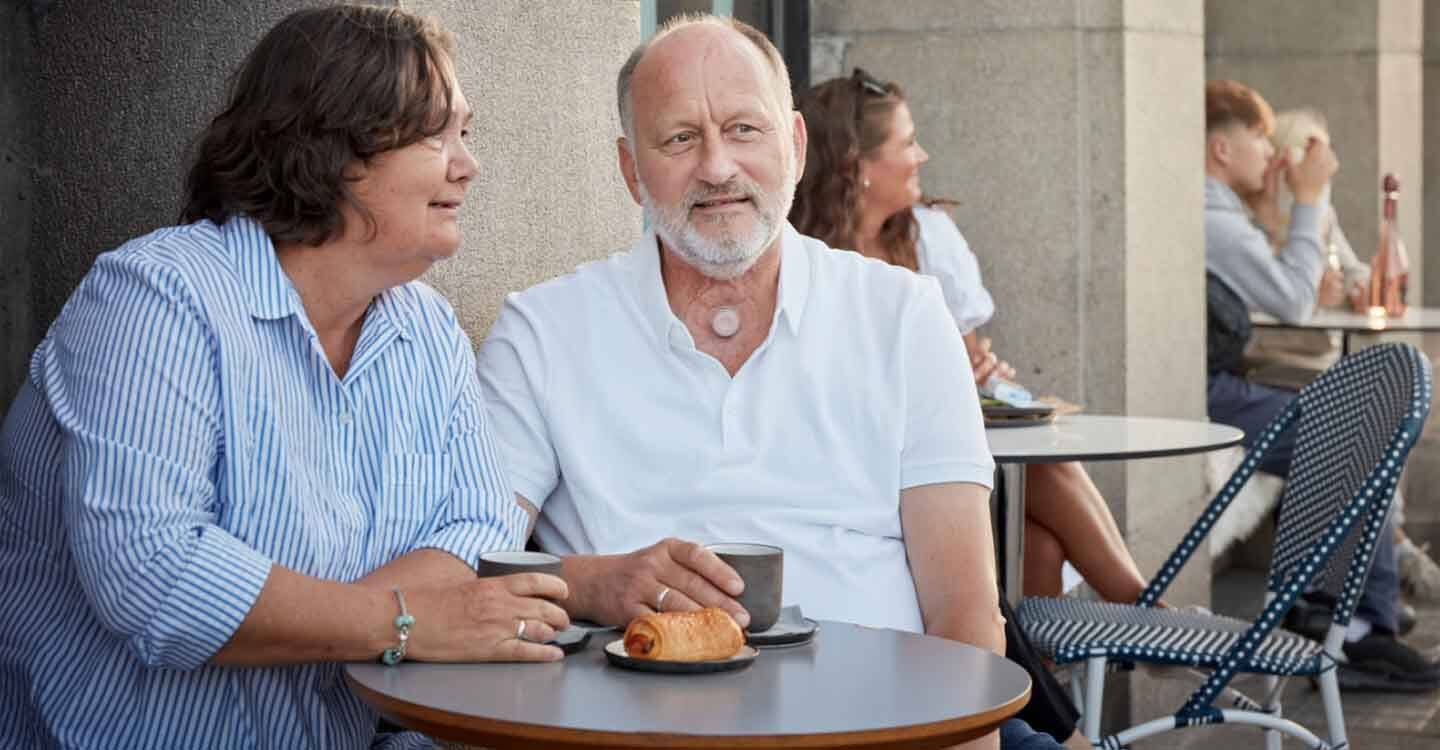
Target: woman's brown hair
x,y
324,89
847,118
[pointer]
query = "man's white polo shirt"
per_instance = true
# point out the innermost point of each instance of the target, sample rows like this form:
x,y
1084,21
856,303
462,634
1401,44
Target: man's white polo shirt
x,y
624,433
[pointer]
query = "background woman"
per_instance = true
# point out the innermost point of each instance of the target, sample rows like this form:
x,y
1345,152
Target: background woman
x,y
252,446
861,190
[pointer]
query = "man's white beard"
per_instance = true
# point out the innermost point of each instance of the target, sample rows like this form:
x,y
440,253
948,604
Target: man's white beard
x,y
727,257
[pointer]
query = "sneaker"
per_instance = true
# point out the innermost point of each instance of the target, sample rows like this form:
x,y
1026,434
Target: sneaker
x,y
1309,618
1419,574
1380,662
1405,618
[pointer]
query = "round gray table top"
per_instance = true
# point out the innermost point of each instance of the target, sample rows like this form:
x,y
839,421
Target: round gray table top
x,y
849,686
1414,319
1093,437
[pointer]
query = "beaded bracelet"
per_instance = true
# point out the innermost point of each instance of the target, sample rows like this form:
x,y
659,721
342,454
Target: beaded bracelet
x,y
396,654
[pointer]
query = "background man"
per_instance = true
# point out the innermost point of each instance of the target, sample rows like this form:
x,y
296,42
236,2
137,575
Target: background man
x,y
1243,172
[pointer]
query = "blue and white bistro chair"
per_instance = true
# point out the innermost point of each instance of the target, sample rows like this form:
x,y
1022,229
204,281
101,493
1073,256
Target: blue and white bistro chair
x,y
1357,422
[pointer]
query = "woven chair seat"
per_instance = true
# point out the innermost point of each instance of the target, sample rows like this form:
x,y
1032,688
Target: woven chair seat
x,y
1069,630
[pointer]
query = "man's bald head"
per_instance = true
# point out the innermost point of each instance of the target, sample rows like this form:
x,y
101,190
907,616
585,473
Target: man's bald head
x,y
677,27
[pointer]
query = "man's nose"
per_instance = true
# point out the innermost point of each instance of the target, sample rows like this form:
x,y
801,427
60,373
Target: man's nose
x,y
717,162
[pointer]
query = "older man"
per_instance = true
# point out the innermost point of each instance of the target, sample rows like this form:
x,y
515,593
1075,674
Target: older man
x,y
727,379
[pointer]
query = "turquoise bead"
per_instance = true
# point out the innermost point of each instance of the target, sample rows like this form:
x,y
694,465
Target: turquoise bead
x,y
391,657
404,621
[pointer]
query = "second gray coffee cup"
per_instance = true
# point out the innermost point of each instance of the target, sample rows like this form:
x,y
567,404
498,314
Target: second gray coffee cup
x,y
509,562
762,568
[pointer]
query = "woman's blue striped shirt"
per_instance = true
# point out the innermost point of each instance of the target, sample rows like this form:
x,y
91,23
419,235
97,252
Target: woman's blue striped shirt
x,y
180,431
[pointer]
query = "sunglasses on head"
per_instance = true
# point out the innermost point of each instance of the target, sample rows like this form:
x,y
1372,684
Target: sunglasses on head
x,y
868,84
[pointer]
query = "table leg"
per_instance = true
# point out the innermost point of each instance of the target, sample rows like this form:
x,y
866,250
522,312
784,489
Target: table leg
x,y
1012,531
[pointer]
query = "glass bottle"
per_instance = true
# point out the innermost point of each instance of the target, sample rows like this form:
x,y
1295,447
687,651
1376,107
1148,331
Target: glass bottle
x,y
1389,267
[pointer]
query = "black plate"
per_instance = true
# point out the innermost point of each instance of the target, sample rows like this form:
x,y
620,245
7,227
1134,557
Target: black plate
x,y
615,653
1019,421
571,639
1007,411
784,634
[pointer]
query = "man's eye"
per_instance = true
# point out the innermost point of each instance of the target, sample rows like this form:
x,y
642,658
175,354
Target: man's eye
x,y
681,138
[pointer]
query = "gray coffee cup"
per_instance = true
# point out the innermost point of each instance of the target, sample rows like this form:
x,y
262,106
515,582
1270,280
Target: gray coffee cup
x,y
762,568
509,562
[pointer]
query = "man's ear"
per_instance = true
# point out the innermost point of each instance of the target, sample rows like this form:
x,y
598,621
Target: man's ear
x,y
627,168
800,139
1217,148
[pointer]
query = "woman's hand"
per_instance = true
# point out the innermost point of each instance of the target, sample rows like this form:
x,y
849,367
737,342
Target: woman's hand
x,y
480,620
985,364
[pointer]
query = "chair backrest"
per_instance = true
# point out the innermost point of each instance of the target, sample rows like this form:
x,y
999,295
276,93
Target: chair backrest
x,y
1357,422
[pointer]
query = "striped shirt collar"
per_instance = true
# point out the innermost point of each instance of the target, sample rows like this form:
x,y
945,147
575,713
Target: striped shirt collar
x,y
274,296
644,263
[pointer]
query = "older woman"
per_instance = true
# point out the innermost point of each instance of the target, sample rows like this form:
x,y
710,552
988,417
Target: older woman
x,y
253,446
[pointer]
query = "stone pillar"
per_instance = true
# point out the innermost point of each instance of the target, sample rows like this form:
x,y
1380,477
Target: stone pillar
x,y
1072,135
1359,64
1429,204
541,79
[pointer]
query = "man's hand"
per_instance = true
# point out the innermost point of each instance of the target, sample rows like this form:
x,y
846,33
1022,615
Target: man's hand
x,y
1308,178
1332,289
1265,205
615,589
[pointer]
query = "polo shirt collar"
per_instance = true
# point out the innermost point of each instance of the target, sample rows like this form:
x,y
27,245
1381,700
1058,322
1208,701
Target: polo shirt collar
x,y
273,295
793,291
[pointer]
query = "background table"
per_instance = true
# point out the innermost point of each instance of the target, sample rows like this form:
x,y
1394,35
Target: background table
x,y
851,686
1082,437
1349,323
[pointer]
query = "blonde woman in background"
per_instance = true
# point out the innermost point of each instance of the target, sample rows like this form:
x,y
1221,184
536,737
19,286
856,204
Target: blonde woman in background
x,y
1290,359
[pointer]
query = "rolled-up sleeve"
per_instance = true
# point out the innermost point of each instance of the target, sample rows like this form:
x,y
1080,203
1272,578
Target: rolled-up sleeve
x,y
512,377
132,380
944,431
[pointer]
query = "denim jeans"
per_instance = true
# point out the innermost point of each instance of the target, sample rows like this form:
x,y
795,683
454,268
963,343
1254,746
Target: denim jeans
x,y
1017,735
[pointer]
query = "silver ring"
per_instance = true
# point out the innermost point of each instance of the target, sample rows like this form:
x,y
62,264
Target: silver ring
x,y
660,600
520,631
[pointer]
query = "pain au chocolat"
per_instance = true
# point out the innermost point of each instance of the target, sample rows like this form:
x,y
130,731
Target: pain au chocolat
x,y
702,635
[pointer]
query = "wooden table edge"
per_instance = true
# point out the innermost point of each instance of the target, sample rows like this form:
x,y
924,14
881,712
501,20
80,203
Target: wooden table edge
x,y
510,734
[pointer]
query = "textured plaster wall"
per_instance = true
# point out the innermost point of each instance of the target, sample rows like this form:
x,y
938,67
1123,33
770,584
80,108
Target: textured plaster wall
x,y
1359,63
114,93
1071,133
541,79
16,194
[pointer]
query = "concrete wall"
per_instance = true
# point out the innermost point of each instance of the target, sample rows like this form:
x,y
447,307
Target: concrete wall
x,y
1071,132
120,89
1430,134
541,79
17,162
1357,62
